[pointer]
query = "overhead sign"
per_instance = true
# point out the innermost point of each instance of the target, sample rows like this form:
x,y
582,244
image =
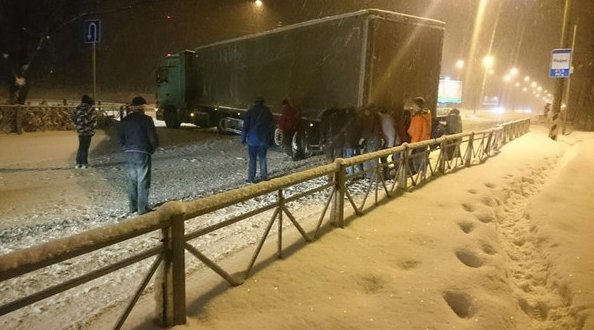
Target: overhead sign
x,y
450,91
560,63
92,31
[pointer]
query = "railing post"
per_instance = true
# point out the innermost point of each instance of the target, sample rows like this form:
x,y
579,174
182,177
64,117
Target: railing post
x,y
281,204
172,273
403,173
469,150
442,155
339,187
18,119
490,140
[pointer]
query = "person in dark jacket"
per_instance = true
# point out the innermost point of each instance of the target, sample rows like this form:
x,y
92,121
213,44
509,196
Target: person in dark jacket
x,y
139,140
453,126
258,127
371,136
352,136
287,123
85,119
332,126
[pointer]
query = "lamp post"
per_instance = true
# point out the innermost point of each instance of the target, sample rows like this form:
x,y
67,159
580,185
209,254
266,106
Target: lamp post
x,y
487,64
560,82
459,67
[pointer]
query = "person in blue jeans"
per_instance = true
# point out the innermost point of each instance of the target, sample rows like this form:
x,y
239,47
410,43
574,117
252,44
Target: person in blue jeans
x,y
139,140
258,127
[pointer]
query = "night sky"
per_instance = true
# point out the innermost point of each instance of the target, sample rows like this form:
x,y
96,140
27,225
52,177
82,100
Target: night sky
x,y
136,34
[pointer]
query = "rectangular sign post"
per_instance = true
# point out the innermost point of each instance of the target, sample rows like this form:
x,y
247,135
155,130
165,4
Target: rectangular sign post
x,y
560,63
92,35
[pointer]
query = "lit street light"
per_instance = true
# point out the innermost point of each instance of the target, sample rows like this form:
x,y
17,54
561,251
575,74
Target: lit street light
x,y
459,67
488,62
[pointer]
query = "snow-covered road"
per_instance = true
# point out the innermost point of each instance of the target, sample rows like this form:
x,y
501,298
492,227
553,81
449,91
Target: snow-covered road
x,y
44,198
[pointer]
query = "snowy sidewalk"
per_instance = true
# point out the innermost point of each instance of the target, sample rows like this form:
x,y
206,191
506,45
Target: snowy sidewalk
x,y
502,245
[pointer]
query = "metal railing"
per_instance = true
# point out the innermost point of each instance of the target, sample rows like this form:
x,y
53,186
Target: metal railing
x,y
337,186
16,117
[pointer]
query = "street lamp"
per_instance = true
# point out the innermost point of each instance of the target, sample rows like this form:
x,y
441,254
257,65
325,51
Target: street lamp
x,y
459,67
258,3
488,61
513,72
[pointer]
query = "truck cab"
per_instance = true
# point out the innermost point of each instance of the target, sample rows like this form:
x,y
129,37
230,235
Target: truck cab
x,y
176,94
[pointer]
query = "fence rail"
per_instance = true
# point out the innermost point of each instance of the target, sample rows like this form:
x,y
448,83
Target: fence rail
x,y
346,183
13,116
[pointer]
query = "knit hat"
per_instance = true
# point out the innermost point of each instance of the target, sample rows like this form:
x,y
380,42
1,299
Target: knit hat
x,y
139,100
87,100
419,101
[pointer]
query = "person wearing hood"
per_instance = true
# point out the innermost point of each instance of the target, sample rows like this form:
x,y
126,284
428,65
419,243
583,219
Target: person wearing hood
x,y
453,126
85,119
419,130
258,128
139,140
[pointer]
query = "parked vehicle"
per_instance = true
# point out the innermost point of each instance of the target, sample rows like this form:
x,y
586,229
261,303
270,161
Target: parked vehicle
x,y
349,60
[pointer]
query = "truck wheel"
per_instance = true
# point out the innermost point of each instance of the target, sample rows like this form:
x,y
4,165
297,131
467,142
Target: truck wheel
x,y
222,126
278,137
300,145
171,120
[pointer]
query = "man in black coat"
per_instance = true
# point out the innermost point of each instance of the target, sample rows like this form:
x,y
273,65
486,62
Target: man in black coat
x,y
138,139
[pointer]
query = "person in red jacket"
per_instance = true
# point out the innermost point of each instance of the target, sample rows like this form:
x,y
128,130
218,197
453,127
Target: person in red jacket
x,y
287,123
419,130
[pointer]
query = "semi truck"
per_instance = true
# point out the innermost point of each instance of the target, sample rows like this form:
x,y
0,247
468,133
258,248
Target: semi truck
x,y
367,57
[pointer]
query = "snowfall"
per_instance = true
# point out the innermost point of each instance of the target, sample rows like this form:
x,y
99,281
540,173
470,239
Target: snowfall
x,y
506,244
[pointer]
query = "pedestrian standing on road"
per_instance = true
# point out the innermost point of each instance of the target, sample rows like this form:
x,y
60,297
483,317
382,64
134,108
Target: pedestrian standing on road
x,y
371,136
419,130
453,126
287,123
85,119
352,136
139,140
258,128
388,137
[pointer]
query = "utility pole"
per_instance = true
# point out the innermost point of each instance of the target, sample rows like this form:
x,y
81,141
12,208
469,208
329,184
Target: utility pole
x,y
568,84
560,82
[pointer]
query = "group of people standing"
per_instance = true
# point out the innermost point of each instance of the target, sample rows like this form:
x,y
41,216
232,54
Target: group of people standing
x,y
349,132
343,133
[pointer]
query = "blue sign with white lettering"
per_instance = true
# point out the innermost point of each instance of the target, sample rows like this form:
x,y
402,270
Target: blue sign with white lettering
x,y
560,63
92,31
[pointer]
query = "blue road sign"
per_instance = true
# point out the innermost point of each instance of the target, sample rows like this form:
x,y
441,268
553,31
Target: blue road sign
x,y
560,63
92,31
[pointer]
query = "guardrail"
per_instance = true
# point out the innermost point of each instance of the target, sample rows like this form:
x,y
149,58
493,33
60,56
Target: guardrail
x,y
16,113
337,186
